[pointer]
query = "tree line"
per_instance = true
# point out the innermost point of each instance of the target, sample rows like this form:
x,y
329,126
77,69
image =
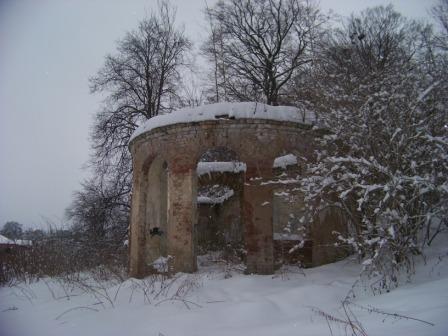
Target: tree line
x,y
377,81
14,231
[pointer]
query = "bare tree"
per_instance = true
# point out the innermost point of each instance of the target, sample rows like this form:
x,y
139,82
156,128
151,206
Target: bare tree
x,y
141,80
213,50
440,13
99,213
351,59
12,230
258,45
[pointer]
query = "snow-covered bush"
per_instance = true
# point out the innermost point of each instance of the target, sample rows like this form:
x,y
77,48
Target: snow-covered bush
x,y
62,254
384,160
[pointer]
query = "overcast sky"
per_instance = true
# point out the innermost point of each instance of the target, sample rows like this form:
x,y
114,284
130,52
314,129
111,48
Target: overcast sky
x,y
48,50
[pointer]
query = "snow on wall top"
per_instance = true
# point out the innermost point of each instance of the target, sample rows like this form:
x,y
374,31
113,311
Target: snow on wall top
x,y
284,161
247,110
220,167
23,242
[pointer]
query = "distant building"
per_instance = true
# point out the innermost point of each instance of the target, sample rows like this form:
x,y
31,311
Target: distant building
x,y
8,245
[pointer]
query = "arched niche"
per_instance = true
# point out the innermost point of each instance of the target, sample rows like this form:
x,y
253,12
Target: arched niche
x,y
290,220
326,226
155,212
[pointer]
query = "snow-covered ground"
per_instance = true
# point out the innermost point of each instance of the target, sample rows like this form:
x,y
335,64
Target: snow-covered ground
x,y
219,301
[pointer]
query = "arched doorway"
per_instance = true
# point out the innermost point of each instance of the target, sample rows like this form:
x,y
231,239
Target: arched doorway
x,y
219,228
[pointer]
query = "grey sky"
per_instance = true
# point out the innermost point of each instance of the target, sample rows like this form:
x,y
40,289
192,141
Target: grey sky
x,y
48,49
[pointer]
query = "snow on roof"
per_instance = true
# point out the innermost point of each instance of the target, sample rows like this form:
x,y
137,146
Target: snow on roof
x,y
284,161
220,167
4,240
23,242
247,110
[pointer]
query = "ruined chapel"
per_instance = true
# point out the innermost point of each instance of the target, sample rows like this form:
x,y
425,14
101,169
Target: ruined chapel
x,y
226,176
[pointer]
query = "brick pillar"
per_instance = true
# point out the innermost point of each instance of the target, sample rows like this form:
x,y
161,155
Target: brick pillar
x,y
257,219
181,218
136,228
